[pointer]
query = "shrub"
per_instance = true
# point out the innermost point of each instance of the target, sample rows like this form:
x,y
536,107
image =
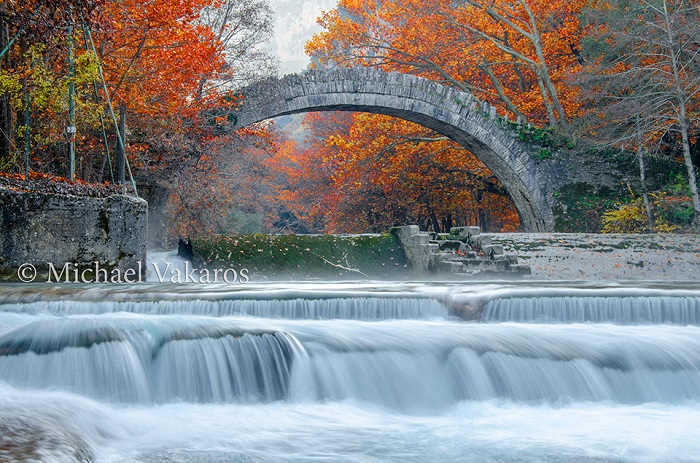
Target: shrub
x,y
628,218
671,213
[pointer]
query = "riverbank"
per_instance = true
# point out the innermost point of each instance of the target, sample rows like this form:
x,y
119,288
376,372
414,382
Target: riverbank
x,y
551,256
579,256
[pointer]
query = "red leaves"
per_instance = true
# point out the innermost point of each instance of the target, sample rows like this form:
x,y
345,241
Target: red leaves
x,y
366,173
156,54
46,183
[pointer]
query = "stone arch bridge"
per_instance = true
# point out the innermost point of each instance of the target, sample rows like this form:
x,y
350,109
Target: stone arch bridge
x,y
457,115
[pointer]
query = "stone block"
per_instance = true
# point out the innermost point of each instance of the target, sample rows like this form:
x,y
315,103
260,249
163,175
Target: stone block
x,y
465,231
521,269
40,228
451,245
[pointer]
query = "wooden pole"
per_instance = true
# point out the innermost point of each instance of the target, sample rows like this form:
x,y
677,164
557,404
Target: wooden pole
x,y
26,131
70,130
111,109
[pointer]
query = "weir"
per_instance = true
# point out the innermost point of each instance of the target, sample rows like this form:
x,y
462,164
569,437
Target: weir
x,y
379,356
627,310
354,308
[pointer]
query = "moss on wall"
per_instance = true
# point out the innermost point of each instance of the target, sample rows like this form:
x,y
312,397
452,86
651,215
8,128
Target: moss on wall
x,y
303,256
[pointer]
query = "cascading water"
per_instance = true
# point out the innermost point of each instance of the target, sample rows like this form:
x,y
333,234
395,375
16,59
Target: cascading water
x,y
620,310
369,374
353,308
143,360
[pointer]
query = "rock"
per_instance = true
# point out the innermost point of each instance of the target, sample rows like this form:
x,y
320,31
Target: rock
x,y
421,255
40,439
465,232
452,245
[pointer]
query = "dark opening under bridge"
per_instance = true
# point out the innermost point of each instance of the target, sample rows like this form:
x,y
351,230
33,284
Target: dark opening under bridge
x,y
457,115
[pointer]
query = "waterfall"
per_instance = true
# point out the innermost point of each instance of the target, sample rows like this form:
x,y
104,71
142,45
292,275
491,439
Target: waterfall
x,y
407,365
354,308
142,360
432,367
621,310
386,373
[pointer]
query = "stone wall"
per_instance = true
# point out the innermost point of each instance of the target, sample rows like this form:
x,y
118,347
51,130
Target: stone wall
x,y
421,254
39,228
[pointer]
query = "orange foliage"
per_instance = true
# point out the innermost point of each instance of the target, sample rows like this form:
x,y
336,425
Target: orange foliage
x,y
229,177
518,55
155,54
366,172
505,51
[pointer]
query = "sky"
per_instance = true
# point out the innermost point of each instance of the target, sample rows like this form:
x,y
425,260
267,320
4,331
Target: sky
x,y
294,25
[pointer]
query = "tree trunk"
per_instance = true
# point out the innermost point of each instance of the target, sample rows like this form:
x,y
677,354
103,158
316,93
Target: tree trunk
x,y
692,177
7,129
643,177
501,93
683,119
643,183
120,153
481,214
433,220
545,100
551,90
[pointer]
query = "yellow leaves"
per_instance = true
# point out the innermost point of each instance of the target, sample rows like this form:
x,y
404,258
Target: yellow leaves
x,y
628,218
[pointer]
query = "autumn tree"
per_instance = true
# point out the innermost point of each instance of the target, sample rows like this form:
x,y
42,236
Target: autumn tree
x,y
28,30
224,188
242,28
515,54
215,180
363,172
165,64
646,80
148,52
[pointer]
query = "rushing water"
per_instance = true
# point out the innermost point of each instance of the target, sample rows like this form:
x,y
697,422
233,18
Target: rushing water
x,y
351,371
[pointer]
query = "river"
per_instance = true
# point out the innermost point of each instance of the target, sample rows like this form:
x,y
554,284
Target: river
x,y
355,371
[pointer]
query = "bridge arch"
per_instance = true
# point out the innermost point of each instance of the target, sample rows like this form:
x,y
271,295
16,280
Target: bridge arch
x,y
447,111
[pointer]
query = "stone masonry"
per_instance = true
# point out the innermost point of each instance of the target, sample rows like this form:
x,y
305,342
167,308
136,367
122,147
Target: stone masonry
x,y
460,116
38,228
464,251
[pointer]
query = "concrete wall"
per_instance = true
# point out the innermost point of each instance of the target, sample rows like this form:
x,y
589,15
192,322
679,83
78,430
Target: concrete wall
x,y
39,228
157,197
421,255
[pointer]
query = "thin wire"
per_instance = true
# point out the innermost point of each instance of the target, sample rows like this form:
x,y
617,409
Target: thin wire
x,y
102,120
19,32
111,108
